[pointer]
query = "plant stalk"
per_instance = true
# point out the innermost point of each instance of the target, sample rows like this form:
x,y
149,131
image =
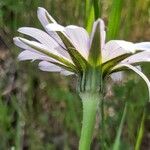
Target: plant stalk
x,y
90,103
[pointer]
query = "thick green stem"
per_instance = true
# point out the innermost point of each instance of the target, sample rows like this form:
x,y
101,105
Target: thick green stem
x,y
90,103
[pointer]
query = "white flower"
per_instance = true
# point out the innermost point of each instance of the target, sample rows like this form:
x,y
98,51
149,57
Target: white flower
x,y
71,50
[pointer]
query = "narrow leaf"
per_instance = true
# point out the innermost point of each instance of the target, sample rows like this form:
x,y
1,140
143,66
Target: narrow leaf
x,y
114,19
116,145
96,9
140,132
89,15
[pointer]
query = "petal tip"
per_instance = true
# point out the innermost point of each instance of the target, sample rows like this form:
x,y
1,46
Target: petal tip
x,y
20,29
15,40
40,9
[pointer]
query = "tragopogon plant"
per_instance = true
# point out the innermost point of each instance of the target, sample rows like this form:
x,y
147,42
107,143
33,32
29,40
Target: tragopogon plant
x,y
71,50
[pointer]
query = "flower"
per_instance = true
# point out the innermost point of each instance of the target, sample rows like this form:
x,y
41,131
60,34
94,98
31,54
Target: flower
x,y
71,50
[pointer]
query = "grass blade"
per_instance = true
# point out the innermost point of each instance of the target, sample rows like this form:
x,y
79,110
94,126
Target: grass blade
x,y
116,145
114,19
89,15
140,132
96,4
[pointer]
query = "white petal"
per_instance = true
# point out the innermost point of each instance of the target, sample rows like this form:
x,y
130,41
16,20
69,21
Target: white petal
x,y
41,49
102,32
44,17
79,38
35,44
127,46
40,36
22,45
117,76
143,76
47,66
29,55
66,73
55,27
45,39
138,58
115,48
19,43
142,46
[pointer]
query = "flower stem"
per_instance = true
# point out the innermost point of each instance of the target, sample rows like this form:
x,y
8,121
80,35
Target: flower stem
x,y
90,103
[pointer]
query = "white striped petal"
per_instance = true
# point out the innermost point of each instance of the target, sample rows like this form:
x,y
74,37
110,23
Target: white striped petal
x,y
42,49
76,35
115,48
138,58
79,38
44,16
20,43
66,73
29,55
47,66
24,46
40,36
55,27
36,44
142,46
44,38
136,70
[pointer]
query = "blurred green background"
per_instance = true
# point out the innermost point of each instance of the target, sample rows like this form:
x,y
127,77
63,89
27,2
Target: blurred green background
x,y
40,110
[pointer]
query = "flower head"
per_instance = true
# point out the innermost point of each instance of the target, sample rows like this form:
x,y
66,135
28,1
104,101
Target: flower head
x,y
71,50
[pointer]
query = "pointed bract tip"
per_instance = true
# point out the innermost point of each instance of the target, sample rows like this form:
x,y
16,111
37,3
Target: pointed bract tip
x,y
99,20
